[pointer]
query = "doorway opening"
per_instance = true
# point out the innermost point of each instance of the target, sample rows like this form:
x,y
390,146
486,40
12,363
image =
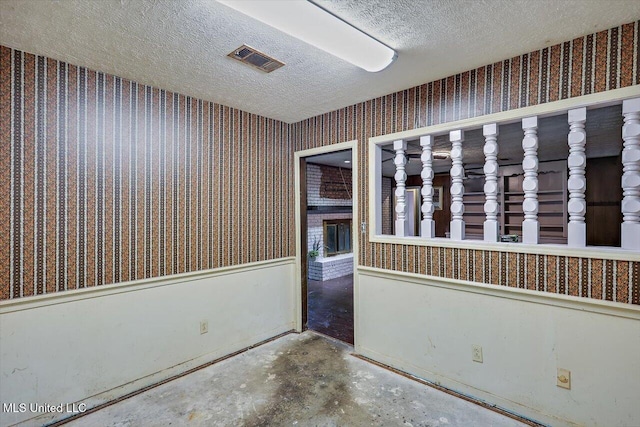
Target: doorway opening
x,y
328,241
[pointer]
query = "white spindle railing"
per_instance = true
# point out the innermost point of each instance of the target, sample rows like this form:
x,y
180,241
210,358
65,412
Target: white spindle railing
x,y
427,225
577,183
530,225
576,206
457,187
491,225
631,175
400,160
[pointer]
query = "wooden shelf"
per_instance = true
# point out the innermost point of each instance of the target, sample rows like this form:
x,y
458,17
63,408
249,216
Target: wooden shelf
x,y
521,193
513,202
520,212
552,199
519,225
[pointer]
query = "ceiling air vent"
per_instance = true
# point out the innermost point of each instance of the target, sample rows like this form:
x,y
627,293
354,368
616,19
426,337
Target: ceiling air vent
x,y
255,58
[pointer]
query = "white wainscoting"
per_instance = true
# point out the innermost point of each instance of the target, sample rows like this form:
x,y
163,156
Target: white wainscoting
x,y
94,345
427,326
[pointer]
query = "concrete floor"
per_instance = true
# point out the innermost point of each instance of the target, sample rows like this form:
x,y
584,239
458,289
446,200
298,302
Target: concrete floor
x,y
302,380
330,307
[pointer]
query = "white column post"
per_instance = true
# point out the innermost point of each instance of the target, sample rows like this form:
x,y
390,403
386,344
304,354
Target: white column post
x,y
491,209
457,188
530,225
577,183
631,174
402,226
428,225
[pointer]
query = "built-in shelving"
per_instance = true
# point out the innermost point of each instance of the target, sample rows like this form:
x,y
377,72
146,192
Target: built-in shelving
x,y
552,201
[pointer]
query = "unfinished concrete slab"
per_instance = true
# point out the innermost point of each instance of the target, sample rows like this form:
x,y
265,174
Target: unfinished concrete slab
x,y
299,379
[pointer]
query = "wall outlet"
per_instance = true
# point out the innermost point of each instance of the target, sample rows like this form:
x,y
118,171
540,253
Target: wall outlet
x,y
563,378
204,327
476,353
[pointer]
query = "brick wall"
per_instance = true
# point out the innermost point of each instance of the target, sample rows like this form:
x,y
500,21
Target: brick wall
x,y
331,268
328,186
315,229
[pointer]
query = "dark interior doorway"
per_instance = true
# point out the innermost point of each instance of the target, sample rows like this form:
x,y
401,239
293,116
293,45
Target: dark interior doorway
x,y
328,228
330,307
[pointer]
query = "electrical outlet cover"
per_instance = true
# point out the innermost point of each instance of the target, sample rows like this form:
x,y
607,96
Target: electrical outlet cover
x,y
476,353
563,379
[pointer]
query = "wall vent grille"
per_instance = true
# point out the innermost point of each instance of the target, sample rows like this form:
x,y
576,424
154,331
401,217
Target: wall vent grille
x,y
255,58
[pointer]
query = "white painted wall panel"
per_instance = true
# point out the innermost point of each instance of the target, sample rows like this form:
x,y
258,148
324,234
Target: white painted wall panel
x,y
106,342
428,327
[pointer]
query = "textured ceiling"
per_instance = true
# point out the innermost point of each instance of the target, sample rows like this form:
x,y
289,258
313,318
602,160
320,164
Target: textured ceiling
x,y
182,45
335,159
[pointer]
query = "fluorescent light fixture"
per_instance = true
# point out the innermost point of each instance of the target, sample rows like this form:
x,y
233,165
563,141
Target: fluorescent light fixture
x,y
314,25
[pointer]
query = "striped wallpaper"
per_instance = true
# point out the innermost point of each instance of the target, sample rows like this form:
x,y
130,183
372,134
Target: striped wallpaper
x,y
104,180
593,63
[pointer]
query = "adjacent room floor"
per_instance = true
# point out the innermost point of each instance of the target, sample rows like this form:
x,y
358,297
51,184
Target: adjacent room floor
x,y
299,379
330,307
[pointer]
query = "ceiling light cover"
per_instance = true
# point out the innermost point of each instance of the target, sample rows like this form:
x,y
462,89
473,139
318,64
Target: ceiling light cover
x,y
314,25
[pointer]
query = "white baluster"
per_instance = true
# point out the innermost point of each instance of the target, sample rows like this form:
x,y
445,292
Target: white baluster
x,y
577,183
457,188
428,225
402,225
631,174
491,208
530,225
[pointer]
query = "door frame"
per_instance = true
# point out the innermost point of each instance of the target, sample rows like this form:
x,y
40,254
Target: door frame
x,y
301,246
